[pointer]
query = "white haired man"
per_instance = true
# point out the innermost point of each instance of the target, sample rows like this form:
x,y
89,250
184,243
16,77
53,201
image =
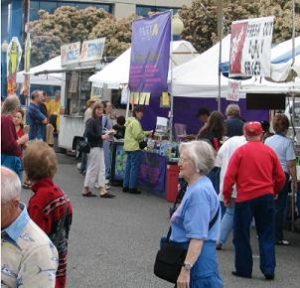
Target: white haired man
x,y
234,123
28,257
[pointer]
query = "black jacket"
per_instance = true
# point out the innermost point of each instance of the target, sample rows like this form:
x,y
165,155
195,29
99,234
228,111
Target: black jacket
x,y
93,132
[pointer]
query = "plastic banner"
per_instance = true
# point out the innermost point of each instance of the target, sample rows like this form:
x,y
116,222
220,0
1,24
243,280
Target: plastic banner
x,y
70,54
92,50
150,53
250,49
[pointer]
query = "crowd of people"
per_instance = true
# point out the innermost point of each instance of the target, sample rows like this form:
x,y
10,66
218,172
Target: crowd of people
x,y
255,168
34,238
235,171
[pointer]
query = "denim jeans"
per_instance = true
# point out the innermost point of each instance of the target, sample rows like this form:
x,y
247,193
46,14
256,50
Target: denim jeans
x,y
132,169
107,157
262,209
226,224
84,157
14,163
280,207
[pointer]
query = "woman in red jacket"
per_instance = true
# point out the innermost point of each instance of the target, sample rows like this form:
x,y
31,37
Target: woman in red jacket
x,y
50,208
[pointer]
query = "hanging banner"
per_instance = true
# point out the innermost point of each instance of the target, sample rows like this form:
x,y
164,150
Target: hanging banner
x,y
92,50
70,54
26,85
14,54
150,53
250,47
234,91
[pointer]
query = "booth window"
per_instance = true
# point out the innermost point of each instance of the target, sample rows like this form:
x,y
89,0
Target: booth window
x,y
78,91
143,10
52,5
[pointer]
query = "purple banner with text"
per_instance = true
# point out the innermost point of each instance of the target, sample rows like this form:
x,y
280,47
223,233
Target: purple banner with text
x,y
150,54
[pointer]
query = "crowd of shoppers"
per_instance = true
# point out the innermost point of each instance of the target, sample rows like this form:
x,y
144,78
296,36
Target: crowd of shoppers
x,y
255,169
28,257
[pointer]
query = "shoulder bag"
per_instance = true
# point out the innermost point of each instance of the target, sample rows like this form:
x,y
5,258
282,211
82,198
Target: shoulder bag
x,y
171,255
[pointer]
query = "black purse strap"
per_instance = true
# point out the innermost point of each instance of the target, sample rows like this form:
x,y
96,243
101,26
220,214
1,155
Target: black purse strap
x,y
179,196
210,225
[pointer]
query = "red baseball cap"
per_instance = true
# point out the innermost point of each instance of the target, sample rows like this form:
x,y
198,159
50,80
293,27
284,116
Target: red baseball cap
x,y
253,129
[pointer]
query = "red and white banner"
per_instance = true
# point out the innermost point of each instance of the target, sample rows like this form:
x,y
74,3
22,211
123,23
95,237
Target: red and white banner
x,y
234,91
250,47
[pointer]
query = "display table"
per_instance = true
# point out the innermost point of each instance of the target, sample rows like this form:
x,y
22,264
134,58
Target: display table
x,y
156,174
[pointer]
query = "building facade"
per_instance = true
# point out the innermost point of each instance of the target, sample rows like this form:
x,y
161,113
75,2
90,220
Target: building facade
x,y
15,12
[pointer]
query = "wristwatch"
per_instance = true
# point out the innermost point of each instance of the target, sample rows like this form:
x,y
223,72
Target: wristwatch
x,y
187,266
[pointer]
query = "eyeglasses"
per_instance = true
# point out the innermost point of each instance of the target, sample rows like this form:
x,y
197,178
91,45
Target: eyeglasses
x,y
182,160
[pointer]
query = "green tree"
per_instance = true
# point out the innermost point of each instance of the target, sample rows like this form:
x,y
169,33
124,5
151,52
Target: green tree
x,y
69,24
200,19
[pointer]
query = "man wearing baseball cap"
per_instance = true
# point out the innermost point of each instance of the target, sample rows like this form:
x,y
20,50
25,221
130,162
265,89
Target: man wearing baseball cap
x,y
258,175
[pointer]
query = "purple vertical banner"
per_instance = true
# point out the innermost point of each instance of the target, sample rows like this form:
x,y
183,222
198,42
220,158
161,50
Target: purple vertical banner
x,y
150,54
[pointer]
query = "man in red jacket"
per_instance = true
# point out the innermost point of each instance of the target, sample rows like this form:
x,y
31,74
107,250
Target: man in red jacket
x,y
258,175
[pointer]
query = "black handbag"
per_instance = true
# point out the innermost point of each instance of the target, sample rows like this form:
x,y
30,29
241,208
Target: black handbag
x,y
143,144
84,147
171,255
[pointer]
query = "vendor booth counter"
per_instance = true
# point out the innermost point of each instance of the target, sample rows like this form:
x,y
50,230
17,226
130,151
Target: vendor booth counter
x,y
157,174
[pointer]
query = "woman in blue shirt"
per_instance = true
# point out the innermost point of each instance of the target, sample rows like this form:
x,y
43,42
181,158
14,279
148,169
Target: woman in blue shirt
x,y
285,150
190,222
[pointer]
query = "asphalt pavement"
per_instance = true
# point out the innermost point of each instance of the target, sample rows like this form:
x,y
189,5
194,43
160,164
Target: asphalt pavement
x,y
113,242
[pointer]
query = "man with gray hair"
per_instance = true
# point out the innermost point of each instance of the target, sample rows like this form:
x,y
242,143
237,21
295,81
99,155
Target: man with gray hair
x,y
10,144
28,257
234,123
36,119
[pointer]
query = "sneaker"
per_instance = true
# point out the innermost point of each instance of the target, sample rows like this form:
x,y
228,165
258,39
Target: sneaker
x,y
283,243
134,191
269,276
125,189
107,195
234,273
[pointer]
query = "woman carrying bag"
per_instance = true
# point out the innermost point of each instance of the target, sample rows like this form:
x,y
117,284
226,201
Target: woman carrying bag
x,y
196,222
95,174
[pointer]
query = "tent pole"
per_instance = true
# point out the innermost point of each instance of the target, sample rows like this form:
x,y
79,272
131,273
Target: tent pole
x,y
220,36
171,94
293,110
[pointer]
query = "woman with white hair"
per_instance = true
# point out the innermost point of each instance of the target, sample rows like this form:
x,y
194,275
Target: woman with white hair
x,y
196,222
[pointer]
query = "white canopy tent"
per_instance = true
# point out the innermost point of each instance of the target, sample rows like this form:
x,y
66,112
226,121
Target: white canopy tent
x,y
282,60
116,74
55,79
199,76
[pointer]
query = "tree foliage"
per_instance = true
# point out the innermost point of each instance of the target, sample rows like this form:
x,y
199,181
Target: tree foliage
x,y
69,24
200,18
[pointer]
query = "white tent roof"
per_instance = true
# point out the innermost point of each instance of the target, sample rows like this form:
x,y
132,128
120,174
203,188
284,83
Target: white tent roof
x,y
281,56
117,72
199,76
55,79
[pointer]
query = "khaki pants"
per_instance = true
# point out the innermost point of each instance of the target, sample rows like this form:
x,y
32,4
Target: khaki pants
x,y
95,173
49,134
